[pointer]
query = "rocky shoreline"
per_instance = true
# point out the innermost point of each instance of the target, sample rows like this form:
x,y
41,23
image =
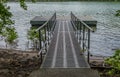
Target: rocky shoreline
x,y
15,63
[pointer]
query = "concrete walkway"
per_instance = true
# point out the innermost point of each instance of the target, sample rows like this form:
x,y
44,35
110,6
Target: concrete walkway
x,y
63,72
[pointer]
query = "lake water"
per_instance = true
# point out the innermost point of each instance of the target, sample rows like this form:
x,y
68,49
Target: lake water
x,y
103,41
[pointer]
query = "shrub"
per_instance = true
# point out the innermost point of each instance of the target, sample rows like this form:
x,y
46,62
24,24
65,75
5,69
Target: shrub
x,y
117,13
114,61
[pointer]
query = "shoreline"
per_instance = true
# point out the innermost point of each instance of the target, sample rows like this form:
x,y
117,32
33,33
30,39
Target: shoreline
x,y
16,63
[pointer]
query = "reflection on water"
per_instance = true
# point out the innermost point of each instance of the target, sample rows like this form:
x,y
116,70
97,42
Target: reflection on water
x,y
103,41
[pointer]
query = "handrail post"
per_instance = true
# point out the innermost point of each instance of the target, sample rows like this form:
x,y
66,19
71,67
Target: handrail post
x,y
48,32
54,23
45,38
80,33
88,46
40,39
50,25
41,57
40,45
83,37
77,29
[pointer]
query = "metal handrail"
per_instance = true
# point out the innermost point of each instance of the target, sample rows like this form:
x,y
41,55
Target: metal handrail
x,y
54,15
87,26
82,32
47,28
81,22
42,26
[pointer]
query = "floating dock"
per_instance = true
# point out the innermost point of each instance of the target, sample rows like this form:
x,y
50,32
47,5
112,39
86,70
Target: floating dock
x,y
39,20
89,20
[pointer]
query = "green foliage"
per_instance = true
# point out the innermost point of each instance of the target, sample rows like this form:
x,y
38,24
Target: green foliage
x,y
23,4
10,34
32,34
5,16
117,13
114,61
5,21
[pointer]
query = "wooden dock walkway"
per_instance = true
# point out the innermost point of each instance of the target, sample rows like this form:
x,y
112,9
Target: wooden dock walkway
x,y
64,50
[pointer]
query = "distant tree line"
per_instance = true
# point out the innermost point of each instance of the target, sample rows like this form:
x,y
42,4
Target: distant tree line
x,y
63,0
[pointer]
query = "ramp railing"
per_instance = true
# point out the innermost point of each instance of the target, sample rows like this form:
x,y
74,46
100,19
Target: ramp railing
x,y
45,34
82,32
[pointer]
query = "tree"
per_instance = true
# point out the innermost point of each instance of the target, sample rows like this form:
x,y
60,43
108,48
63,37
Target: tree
x,y
5,20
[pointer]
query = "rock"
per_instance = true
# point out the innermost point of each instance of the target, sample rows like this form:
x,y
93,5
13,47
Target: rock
x,y
4,70
2,59
19,75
